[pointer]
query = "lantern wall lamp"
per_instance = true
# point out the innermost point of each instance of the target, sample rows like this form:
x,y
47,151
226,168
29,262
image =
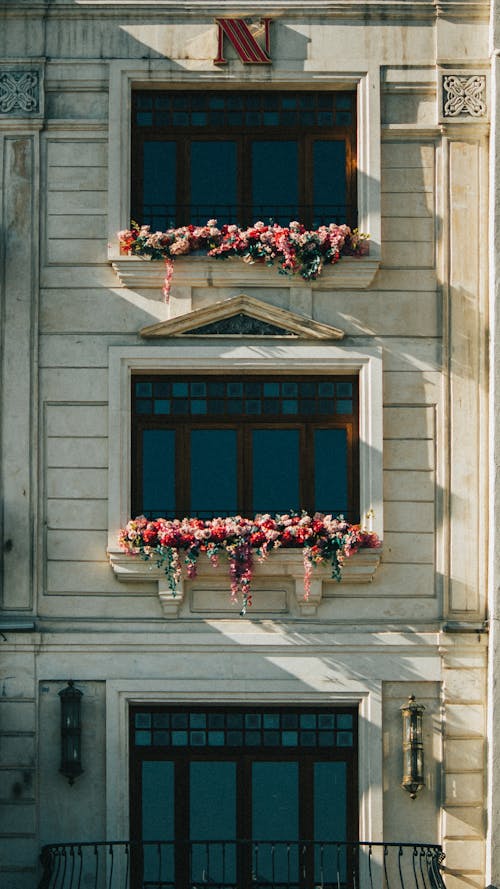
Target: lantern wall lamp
x,y
413,747
71,732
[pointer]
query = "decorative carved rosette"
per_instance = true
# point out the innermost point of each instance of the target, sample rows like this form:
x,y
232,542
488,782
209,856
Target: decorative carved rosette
x,y
19,91
464,95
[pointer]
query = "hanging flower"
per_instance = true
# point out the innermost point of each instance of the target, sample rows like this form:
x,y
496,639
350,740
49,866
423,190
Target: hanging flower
x,y
322,538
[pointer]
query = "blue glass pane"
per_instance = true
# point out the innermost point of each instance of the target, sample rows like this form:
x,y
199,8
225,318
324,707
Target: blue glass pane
x,y
275,460
158,819
271,389
142,738
344,390
198,406
330,470
179,739
344,405
213,180
213,800
212,816
274,180
329,181
162,406
158,471
330,821
162,390
198,390
159,189
213,471
180,390
143,390
275,816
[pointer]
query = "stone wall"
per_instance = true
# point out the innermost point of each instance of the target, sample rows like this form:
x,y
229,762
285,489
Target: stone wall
x,y
417,627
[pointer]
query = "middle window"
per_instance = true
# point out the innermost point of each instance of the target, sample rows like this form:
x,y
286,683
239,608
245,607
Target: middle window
x,y
238,445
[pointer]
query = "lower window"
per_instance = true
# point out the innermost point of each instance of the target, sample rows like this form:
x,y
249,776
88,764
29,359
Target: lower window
x,y
222,446
243,797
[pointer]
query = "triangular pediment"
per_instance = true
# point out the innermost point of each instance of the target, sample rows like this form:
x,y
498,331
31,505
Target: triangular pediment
x,y
243,316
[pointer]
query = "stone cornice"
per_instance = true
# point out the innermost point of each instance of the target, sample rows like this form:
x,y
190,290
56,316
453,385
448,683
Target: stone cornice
x,y
394,9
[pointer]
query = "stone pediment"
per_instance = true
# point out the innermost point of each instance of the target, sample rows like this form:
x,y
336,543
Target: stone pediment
x,y
243,316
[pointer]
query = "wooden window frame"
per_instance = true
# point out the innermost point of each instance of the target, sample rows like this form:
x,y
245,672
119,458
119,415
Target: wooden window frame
x,y
243,757
305,136
244,425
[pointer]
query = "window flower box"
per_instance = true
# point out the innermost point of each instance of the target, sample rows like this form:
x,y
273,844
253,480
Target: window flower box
x,y
169,553
295,251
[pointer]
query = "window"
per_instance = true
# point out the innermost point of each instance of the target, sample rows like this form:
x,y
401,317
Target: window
x,y
243,796
216,446
239,156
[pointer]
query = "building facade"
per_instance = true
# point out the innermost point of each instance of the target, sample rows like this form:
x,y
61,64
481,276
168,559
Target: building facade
x,y
210,736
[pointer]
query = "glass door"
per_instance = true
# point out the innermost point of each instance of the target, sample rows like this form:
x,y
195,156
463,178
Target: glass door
x,y
243,798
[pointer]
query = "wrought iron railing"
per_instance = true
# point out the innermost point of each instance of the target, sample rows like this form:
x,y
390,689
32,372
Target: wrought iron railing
x,y
163,216
241,865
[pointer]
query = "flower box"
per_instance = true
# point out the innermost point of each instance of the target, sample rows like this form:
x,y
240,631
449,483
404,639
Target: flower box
x,y
286,565
141,273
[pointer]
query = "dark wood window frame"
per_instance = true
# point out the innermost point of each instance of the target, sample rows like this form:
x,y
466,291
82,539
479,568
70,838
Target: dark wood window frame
x,y
243,757
244,426
168,125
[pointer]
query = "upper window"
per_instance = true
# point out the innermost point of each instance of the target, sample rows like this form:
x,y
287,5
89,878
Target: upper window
x,y
243,156
244,445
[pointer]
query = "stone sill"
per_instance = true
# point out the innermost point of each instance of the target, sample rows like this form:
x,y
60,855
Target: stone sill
x,y
139,273
288,564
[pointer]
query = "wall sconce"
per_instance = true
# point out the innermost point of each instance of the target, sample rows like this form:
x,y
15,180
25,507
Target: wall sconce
x,y
71,732
413,747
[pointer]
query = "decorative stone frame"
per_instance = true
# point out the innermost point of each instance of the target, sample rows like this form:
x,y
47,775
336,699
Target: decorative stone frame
x,y
228,356
366,695
126,75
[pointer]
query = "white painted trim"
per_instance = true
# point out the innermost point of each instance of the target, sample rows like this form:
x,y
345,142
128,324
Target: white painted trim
x,y
126,74
226,356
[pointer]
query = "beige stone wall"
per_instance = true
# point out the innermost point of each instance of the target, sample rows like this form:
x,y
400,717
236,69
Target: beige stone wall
x,y
63,308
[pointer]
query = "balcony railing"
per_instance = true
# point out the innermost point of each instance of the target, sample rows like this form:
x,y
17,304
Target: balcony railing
x,y
241,865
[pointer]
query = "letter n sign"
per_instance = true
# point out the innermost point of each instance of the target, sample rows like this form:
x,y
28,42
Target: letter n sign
x,y
244,42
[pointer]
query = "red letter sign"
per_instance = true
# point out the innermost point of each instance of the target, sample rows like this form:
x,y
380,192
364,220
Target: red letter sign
x,y
245,44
